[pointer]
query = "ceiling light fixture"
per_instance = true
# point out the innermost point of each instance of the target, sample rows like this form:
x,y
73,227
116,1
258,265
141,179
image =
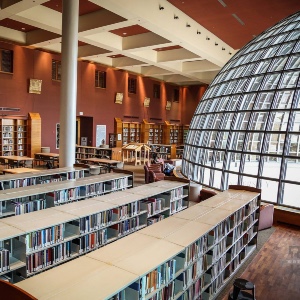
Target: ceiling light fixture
x,y
230,53
216,44
176,17
124,33
207,38
161,7
223,48
188,25
198,32
23,28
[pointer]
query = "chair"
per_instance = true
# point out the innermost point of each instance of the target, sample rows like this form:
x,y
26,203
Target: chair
x,y
266,216
12,164
156,168
12,292
155,176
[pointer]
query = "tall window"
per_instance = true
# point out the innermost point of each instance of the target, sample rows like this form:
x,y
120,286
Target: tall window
x,y
100,79
6,58
56,70
156,91
131,85
176,95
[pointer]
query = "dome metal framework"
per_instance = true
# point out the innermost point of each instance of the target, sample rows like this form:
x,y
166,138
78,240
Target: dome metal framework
x,y
246,128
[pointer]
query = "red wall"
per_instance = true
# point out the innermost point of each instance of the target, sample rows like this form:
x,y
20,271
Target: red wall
x,y
95,102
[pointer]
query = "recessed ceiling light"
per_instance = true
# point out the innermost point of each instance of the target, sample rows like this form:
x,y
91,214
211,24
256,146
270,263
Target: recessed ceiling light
x,y
23,28
124,33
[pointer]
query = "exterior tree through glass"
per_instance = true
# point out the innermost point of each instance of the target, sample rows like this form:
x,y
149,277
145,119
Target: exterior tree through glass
x,y
245,129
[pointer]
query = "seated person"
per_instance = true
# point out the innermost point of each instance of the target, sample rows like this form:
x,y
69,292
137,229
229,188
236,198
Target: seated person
x,y
157,159
168,170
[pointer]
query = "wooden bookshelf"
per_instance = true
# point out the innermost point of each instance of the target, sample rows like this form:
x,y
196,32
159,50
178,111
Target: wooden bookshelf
x,y
37,197
192,258
43,239
83,152
163,150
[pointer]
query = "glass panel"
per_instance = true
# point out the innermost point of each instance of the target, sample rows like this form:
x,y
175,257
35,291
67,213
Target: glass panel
x,y
269,190
249,181
254,83
217,179
206,176
235,162
270,82
245,120
248,101
278,64
255,141
283,100
292,169
275,143
251,164
286,48
239,141
290,195
289,80
296,125
294,145
293,62
232,179
259,120
264,100
271,167
280,120
263,66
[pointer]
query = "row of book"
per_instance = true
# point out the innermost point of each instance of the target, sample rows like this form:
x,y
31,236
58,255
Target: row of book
x,y
95,221
195,250
45,237
29,206
155,219
153,205
193,291
158,277
125,227
4,260
126,211
66,195
42,259
166,293
176,206
16,183
118,184
177,193
92,241
95,189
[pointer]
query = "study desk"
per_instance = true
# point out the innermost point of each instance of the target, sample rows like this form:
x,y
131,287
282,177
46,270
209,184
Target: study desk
x,y
19,170
14,160
103,161
52,157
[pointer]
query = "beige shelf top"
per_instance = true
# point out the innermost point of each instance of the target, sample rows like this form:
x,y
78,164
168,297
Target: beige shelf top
x,y
84,208
38,219
102,284
168,184
193,212
188,234
7,231
233,205
149,191
247,195
53,283
143,261
214,201
130,245
214,217
162,229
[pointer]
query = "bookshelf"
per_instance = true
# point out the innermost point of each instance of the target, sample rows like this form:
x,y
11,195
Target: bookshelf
x,y
189,257
43,239
172,133
16,135
164,151
39,197
83,152
11,181
151,133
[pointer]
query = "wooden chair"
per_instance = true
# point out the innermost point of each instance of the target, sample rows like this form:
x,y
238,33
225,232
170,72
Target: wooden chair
x,y
9,291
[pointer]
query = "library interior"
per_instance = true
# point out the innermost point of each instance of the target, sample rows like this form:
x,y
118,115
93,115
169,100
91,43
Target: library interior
x,y
149,150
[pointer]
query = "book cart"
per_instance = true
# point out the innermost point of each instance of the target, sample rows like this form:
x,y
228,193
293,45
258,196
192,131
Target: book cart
x,y
40,240
11,181
190,255
32,198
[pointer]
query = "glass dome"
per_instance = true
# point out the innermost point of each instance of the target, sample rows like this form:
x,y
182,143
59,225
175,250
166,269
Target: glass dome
x,y
246,128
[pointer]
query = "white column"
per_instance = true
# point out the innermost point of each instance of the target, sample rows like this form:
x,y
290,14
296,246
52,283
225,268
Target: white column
x,y
68,97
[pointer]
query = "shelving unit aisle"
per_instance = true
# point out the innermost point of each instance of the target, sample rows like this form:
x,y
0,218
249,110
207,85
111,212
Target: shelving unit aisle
x,y
32,198
46,238
189,257
83,152
11,181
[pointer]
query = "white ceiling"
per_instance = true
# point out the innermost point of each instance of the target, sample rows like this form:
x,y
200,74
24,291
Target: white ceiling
x,y
130,30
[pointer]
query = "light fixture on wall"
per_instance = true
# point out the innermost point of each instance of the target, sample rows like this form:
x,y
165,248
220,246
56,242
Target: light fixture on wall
x,y
223,48
176,17
198,32
161,7
188,25
207,38
216,44
230,53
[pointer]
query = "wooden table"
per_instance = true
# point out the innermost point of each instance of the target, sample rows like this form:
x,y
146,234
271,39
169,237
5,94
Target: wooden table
x,y
14,159
19,170
103,161
45,157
